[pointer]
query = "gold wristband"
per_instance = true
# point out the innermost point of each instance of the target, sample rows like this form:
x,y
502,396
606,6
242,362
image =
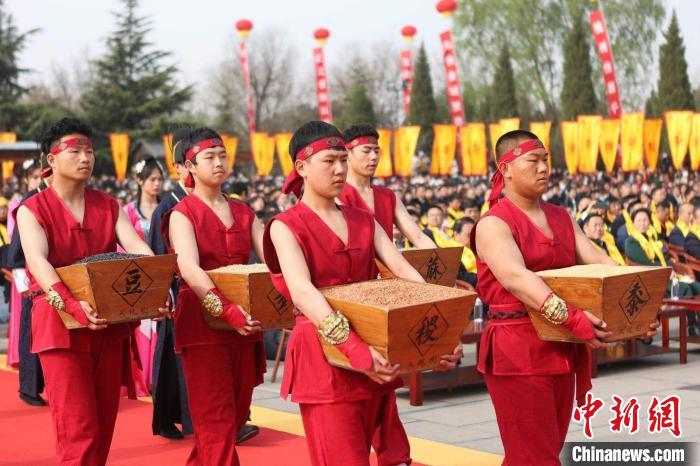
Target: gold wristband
x,y
555,310
55,301
335,328
212,304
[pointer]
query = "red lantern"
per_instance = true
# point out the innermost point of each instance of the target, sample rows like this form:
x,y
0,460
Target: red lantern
x,y
408,32
446,7
321,35
244,27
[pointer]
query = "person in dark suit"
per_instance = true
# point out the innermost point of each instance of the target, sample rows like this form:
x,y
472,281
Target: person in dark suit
x,y
682,227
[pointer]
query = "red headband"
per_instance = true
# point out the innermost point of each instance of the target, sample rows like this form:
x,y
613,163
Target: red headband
x,y
361,141
497,178
65,145
196,149
294,182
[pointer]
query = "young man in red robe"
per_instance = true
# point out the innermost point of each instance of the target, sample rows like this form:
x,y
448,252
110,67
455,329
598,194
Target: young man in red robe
x,y
531,382
362,143
82,367
208,230
317,244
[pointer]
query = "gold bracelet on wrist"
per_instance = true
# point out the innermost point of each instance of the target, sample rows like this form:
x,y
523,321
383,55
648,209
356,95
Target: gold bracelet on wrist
x,y
554,310
55,301
335,328
212,304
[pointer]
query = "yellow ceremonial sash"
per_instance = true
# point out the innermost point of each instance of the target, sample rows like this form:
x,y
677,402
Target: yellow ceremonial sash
x,y
683,227
695,229
613,252
651,248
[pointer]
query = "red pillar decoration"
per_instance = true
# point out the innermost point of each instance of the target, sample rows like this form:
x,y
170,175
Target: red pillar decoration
x,y
244,27
406,60
323,94
454,90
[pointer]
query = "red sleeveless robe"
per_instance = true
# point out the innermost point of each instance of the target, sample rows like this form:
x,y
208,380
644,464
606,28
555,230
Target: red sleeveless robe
x,y
384,205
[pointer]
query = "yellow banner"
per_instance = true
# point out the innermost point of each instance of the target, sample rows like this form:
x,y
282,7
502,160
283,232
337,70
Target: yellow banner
x,y
405,142
494,134
444,146
632,141
478,153
609,137
678,126
652,138
384,167
588,142
263,148
508,124
8,165
119,142
694,144
543,129
231,146
285,158
569,133
168,155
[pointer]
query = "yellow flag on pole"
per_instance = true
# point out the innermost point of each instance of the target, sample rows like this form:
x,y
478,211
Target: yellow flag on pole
x,y
588,142
168,155
679,123
609,138
694,143
444,146
632,141
384,166
8,165
569,133
231,146
478,153
119,142
652,139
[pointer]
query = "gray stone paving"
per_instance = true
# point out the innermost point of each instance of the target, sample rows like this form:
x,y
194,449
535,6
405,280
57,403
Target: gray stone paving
x,y
464,417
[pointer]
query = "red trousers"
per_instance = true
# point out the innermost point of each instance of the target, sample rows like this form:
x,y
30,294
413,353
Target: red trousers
x,y
533,414
341,433
220,380
83,391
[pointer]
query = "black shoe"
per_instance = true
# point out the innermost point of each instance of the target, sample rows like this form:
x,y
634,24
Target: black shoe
x,y
247,432
32,400
171,432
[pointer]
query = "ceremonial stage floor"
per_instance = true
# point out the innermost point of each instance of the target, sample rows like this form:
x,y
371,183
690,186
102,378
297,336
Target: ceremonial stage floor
x,y
26,437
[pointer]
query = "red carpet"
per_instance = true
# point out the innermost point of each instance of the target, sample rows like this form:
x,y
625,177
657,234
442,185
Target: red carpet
x,y
26,437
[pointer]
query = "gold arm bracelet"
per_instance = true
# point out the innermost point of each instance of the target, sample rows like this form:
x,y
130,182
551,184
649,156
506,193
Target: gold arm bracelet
x,y
55,301
335,328
555,310
212,304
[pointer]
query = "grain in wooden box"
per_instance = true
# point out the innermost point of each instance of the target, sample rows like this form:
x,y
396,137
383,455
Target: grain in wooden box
x,y
438,266
121,290
627,298
410,324
250,286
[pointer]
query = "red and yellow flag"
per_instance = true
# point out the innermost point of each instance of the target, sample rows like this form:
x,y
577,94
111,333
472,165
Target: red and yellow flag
x,y
384,167
444,146
465,151
588,142
168,151
405,142
285,158
609,138
494,134
231,146
263,148
478,153
119,142
632,141
652,138
679,124
694,144
8,165
569,133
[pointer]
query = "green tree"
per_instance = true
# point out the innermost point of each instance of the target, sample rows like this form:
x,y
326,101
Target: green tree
x,y
357,106
133,89
577,95
12,43
504,103
652,108
537,30
674,92
423,107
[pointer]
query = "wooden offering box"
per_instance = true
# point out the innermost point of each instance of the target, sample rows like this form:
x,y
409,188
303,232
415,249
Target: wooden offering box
x,y
121,290
250,286
626,298
438,266
411,324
